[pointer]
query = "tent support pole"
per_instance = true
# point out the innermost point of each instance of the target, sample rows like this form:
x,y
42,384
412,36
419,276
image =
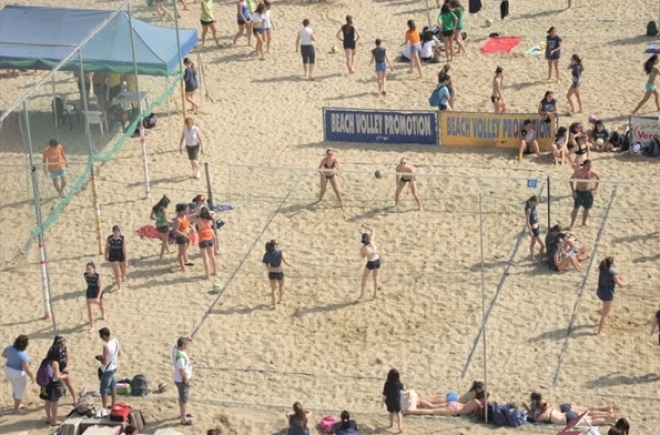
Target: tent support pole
x,y
83,91
143,144
178,50
43,260
55,114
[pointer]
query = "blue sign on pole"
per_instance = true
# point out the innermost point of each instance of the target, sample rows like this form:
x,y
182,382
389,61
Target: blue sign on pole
x,y
532,182
380,126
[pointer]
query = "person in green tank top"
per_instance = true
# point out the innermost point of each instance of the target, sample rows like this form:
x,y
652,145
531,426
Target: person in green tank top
x,y
448,23
159,215
459,11
208,22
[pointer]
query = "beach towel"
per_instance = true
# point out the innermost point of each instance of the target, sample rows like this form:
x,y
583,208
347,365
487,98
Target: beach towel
x,y
224,207
502,44
653,48
148,231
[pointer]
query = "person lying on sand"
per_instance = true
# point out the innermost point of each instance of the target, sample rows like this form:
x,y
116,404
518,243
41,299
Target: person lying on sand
x,y
454,408
435,401
543,412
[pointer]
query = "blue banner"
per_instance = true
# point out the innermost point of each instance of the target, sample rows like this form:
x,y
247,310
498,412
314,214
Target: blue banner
x,y
380,126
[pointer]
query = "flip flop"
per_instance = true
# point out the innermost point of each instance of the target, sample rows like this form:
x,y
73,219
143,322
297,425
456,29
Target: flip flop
x,y
187,423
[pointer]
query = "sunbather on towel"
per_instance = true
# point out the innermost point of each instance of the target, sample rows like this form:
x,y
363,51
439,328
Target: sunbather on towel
x,y
473,406
543,412
437,401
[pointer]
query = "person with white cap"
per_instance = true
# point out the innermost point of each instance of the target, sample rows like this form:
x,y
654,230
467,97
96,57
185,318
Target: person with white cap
x,y
182,375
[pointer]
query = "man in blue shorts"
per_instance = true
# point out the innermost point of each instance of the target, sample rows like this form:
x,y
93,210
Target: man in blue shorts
x,y
55,164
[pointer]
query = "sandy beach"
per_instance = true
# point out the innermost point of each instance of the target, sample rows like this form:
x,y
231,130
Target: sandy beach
x,y
264,138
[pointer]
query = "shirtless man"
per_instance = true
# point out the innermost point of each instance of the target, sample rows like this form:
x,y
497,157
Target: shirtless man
x,y
401,180
583,191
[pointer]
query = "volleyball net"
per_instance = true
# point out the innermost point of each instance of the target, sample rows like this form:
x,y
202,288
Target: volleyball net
x,y
434,270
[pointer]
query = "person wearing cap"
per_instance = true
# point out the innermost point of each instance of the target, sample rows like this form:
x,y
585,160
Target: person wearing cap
x,y
182,375
55,164
108,360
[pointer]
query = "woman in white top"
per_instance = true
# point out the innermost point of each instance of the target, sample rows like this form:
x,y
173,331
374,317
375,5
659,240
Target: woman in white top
x,y
305,44
258,22
369,252
560,146
269,26
194,145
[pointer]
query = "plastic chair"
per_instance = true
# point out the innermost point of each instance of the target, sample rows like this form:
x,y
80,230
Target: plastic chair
x,y
96,117
63,111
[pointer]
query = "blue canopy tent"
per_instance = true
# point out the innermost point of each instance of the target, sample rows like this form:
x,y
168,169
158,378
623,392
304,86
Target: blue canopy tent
x,y
40,37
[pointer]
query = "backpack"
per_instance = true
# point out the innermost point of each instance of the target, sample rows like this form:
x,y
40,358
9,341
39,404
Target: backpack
x,y
149,121
139,386
506,415
651,29
504,9
120,412
85,406
434,99
653,148
43,374
498,415
327,423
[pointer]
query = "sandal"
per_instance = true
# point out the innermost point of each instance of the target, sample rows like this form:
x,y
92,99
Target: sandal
x,y
186,423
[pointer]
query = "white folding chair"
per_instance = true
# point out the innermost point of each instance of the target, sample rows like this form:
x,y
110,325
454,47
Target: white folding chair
x,y
96,117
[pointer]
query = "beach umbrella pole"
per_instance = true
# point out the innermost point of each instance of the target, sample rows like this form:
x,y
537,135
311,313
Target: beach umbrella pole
x,y
428,13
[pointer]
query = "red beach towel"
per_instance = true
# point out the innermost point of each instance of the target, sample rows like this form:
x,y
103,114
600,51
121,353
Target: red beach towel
x,y
148,231
501,44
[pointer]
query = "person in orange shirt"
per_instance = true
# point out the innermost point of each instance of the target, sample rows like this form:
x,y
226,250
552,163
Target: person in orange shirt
x,y
206,242
55,164
182,231
413,39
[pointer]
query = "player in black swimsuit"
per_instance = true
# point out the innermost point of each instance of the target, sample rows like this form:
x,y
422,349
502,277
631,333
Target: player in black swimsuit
x,y
115,253
94,293
580,153
408,179
349,35
328,170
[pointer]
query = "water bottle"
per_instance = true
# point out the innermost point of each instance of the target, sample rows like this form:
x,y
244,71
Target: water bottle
x,y
123,86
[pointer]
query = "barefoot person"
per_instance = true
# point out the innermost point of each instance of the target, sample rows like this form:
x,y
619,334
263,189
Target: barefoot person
x,y
17,369
496,96
243,20
116,254
55,165
382,61
194,145
208,22
305,45
273,259
548,108
52,392
206,242
414,41
576,82
560,146
532,223
652,68
405,176
159,215
583,190
349,36
190,80
370,252
528,144
448,22
94,293
182,231
269,25
553,52
608,279
328,169
258,29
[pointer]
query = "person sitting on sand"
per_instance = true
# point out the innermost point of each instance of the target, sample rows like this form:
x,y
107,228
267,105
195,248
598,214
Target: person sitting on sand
x,y
580,153
402,180
556,235
548,107
621,427
565,255
346,426
528,144
543,412
560,146
599,137
298,420
537,403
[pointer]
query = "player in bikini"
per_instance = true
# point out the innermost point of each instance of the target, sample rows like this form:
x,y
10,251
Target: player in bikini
x,y
328,170
401,180
583,190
